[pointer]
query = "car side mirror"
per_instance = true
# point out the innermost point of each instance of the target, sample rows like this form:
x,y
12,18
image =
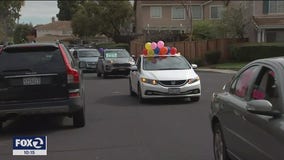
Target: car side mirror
x,y
133,68
82,65
75,54
262,107
133,56
194,66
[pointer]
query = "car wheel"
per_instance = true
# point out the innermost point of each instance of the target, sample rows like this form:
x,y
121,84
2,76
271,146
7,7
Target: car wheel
x,y
130,89
220,152
105,75
99,73
140,98
195,99
79,118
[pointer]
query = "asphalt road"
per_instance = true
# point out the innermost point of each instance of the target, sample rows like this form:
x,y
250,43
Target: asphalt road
x,y
119,128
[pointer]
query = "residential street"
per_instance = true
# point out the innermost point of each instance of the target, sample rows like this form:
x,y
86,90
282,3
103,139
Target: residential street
x,y
119,128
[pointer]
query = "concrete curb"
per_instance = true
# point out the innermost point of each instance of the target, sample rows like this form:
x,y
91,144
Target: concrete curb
x,y
217,70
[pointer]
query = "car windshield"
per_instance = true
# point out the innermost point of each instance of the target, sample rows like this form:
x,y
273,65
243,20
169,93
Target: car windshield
x,y
165,63
89,53
117,54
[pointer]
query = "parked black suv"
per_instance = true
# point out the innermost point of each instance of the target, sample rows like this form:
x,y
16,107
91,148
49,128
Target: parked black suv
x,y
40,79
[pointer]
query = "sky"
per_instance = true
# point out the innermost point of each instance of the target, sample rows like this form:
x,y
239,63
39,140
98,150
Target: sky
x,y
38,12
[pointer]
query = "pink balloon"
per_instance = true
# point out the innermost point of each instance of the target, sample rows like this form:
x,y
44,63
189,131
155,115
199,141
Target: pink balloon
x,y
153,45
161,44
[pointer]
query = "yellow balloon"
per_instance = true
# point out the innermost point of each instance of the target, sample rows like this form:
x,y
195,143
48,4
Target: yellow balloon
x,y
151,52
148,45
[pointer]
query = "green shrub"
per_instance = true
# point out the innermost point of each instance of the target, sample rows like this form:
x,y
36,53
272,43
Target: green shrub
x,y
212,57
252,51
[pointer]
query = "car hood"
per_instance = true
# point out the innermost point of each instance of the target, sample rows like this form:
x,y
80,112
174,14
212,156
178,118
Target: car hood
x,y
169,74
89,59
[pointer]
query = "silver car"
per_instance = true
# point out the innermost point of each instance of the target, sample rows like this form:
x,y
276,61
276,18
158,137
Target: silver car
x,y
89,56
114,62
247,116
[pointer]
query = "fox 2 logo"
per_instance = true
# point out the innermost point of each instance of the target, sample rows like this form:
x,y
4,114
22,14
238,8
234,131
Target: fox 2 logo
x,y
29,142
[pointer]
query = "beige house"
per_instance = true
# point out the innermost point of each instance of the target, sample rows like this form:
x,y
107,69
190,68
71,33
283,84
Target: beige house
x,y
266,16
56,30
268,19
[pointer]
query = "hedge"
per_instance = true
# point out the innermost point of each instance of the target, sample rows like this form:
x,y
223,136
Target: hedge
x,y
251,51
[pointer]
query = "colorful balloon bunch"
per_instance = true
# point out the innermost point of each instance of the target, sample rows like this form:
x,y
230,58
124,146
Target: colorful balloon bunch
x,y
159,48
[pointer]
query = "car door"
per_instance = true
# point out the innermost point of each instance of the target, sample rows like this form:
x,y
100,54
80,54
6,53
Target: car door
x,y
232,117
264,134
135,75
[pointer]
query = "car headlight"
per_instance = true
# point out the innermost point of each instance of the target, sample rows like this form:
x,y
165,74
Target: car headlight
x,y
109,61
132,62
192,80
149,81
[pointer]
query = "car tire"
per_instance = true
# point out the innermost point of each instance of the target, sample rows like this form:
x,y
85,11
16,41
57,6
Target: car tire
x,y
139,92
99,74
130,89
219,146
194,99
79,119
105,75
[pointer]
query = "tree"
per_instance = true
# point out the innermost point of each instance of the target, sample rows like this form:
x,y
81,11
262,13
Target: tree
x,y
21,32
86,21
235,21
203,30
67,9
116,15
10,11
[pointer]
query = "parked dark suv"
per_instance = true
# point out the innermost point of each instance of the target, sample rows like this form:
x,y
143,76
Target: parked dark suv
x,y
40,79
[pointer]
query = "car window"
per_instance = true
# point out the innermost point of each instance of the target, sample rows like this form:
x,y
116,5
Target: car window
x,y
265,86
240,85
34,60
89,53
165,63
116,54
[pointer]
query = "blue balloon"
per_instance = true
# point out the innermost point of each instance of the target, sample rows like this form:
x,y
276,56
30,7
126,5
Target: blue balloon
x,y
157,50
169,50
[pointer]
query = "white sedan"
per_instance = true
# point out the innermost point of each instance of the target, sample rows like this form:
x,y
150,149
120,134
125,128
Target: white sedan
x,y
170,76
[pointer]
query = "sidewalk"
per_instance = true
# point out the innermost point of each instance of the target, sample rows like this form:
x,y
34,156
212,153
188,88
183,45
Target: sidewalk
x,y
216,70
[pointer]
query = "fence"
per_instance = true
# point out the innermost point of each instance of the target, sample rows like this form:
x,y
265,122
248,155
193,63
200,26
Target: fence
x,y
194,50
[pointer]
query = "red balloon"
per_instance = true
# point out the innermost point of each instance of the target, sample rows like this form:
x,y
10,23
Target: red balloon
x,y
163,51
144,52
173,50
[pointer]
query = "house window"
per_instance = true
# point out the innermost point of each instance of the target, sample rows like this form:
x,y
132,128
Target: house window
x,y
216,12
196,12
276,6
178,13
156,12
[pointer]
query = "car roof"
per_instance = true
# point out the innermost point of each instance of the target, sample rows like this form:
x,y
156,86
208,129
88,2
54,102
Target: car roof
x,y
272,60
86,49
115,49
29,46
167,55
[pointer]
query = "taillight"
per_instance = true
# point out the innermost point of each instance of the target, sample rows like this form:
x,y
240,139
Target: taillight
x,y
74,93
72,76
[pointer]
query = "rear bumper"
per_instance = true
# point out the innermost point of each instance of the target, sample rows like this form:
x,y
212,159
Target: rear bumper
x,y
48,107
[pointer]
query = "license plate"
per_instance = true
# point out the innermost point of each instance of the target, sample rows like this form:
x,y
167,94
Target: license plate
x,y
174,91
31,81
